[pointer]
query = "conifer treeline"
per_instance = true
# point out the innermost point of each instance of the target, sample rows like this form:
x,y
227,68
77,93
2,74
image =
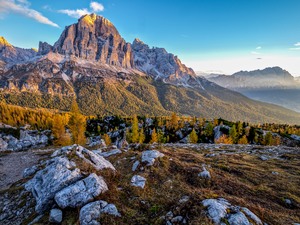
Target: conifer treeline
x,y
71,127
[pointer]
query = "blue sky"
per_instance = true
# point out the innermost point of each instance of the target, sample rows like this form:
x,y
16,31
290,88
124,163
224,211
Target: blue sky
x,y
207,35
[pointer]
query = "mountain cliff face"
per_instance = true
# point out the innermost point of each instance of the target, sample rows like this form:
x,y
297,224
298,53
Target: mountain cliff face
x,y
95,38
159,63
107,75
12,55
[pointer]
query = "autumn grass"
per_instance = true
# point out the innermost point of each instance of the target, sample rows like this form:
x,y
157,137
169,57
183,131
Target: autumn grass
x,y
243,179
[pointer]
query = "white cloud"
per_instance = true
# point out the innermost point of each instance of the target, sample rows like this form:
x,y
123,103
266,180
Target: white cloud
x,y
96,7
77,13
22,7
255,53
297,47
258,48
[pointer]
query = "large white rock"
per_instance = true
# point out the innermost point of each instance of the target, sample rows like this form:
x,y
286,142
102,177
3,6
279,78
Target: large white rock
x,y
138,181
90,213
252,216
149,156
238,218
110,153
3,145
81,192
216,208
97,161
58,174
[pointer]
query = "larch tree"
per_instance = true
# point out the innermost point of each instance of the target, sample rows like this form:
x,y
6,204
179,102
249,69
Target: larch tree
x,y
193,138
135,130
173,123
142,136
153,136
62,138
107,139
77,124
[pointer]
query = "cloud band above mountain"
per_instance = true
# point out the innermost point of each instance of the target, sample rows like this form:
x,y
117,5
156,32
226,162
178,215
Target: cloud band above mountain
x,y
77,13
22,7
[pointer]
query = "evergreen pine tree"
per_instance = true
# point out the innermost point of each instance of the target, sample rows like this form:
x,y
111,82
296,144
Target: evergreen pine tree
x,y
233,134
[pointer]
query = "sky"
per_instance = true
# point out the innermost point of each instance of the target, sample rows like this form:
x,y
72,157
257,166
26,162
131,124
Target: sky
x,y
223,36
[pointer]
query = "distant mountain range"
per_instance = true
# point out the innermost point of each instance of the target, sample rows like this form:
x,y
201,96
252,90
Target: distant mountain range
x,y
273,85
107,75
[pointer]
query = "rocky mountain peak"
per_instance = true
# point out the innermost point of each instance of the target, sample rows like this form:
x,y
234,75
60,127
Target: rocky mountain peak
x,y
267,72
88,19
4,42
13,55
95,38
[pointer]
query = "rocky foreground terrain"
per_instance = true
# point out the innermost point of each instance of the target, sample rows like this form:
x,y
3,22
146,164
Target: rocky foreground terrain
x,y
155,184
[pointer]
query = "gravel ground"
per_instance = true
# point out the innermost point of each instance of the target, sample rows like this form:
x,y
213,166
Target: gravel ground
x,y
13,164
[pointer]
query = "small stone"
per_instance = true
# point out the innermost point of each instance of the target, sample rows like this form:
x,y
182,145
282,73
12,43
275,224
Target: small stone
x,y
205,174
177,219
169,215
55,216
135,165
184,199
263,157
288,201
149,156
138,181
90,213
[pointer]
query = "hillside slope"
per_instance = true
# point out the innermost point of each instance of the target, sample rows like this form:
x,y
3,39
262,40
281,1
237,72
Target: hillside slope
x,y
92,63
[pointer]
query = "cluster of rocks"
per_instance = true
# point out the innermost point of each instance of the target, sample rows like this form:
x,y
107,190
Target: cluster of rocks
x,y
61,184
148,159
175,215
221,212
16,206
28,139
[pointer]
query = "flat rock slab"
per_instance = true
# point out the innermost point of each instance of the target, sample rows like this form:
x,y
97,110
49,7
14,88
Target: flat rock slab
x,y
81,192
